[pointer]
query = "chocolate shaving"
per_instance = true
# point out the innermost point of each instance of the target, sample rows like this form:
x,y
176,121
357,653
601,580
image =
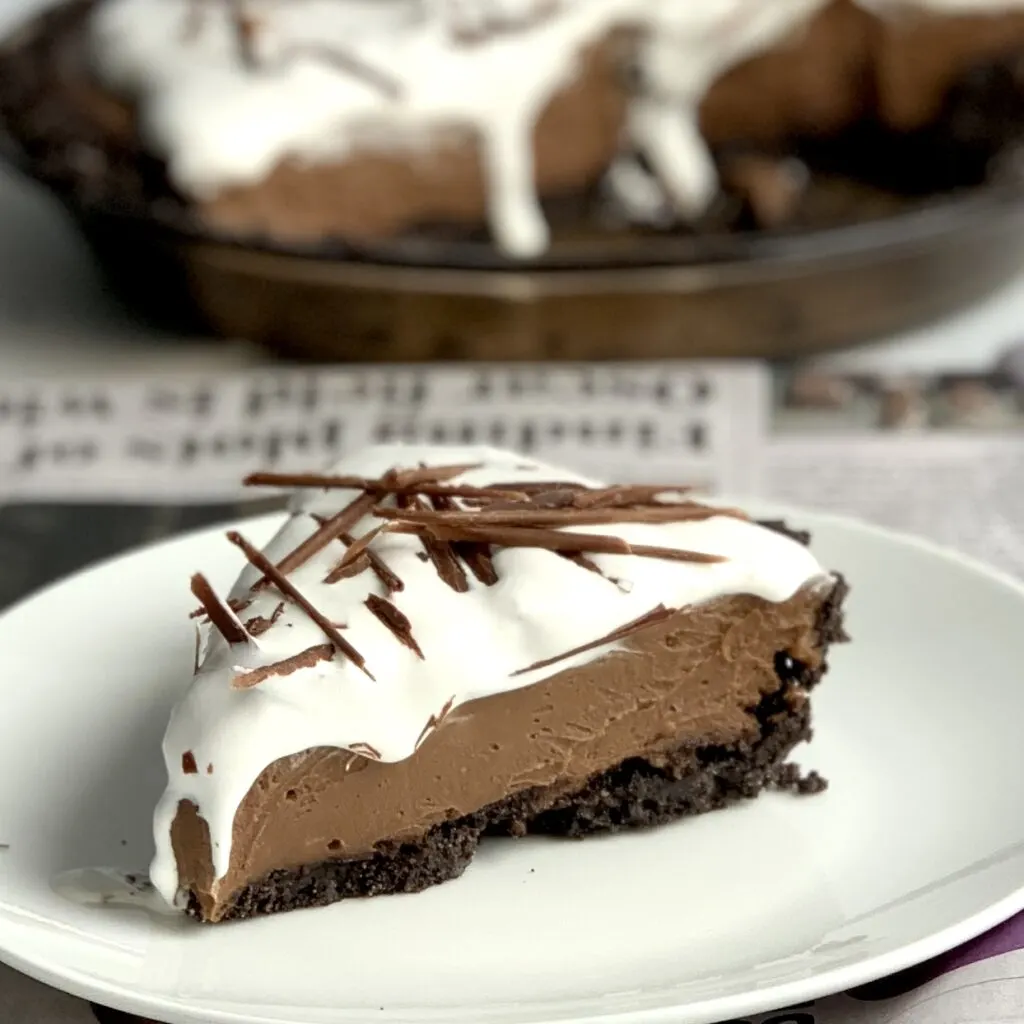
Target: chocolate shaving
x,y
261,562
188,763
304,659
412,479
478,560
535,487
392,481
624,495
445,562
434,721
219,613
397,482
477,557
365,559
440,553
554,516
365,750
549,540
651,618
330,530
259,624
355,552
395,620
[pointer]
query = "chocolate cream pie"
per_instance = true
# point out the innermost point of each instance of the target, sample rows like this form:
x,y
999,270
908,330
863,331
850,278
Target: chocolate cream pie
x,y
354,122
446,644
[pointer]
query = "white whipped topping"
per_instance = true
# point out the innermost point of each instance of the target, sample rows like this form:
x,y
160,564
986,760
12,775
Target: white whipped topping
x,y
473,643
219,123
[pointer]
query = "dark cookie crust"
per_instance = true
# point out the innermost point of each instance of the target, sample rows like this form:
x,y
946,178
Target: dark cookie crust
x,y
638,793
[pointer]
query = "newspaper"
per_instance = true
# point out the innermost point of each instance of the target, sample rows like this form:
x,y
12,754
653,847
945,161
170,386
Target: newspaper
x,y
139,459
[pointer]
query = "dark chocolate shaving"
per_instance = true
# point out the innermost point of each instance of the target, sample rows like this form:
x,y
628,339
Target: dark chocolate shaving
x,y
330,530
549,540
392,481
535,487
188,763
654,616
259,624
218,611
552,516
439,551
478,560
356,550
198,651
348,568
285,667
366,559
625,495
395,620
435,720
261,562
477,557
445,562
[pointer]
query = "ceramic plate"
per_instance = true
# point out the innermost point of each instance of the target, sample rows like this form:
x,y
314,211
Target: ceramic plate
x,y
917,846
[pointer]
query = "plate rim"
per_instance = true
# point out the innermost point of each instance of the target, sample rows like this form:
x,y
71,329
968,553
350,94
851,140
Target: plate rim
x,y
830,981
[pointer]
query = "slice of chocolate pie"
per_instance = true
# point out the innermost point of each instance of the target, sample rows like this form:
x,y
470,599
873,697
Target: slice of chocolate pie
x,y
445,644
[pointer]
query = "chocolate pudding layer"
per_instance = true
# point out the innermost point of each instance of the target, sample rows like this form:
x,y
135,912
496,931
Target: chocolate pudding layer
x,y
732,677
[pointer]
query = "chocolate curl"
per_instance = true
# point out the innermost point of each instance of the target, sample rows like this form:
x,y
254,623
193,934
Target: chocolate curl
x,y
625,495
363,559
477,557
223,618
356,550
393,480
259,624
654,616
330,530
434,721
550,540
428,482
510,515
283,584
285,667
441,554
394,619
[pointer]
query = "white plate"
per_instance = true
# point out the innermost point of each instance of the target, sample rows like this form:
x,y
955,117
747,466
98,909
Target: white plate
x,y
917,846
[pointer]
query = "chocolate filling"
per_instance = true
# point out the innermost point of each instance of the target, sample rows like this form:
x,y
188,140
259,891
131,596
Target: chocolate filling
x,y
690,778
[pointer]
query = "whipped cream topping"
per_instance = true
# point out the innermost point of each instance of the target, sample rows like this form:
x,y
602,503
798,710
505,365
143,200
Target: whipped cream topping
x,y
224,101
245,710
